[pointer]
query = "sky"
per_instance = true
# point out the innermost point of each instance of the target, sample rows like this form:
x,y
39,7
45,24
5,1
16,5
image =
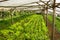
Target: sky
x,y
19,2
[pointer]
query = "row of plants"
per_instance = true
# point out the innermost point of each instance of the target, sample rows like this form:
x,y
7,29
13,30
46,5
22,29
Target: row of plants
x,y
8,14
57,22
9,21
25,27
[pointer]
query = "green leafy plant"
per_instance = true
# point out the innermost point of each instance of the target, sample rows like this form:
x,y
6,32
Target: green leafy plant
x,y
27,27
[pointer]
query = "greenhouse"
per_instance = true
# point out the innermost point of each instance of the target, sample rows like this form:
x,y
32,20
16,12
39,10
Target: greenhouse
x,y
29,19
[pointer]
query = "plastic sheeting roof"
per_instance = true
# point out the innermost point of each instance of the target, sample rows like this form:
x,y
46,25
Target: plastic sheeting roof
x,y
16,2
19,2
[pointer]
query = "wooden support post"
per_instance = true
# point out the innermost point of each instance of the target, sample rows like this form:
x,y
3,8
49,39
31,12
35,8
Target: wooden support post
x,y
12,11
46,13
11,16
53,26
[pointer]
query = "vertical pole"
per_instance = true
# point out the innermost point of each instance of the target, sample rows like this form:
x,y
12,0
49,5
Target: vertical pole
x,y
11,15
46,12
45,15
53,19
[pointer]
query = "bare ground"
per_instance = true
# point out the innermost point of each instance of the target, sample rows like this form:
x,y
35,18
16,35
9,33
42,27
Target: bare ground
x,y
50,28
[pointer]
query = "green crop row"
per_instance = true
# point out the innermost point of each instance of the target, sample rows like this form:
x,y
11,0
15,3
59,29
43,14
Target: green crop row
x,y
25,27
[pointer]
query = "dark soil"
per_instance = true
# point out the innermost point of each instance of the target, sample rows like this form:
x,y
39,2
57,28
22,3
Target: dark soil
x,y
50,28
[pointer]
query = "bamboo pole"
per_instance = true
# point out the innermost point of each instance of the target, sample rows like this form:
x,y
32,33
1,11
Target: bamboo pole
x,y
53,26
46,13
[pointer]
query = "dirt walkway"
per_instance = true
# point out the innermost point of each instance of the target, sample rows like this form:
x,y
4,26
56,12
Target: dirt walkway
x,y
56,35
